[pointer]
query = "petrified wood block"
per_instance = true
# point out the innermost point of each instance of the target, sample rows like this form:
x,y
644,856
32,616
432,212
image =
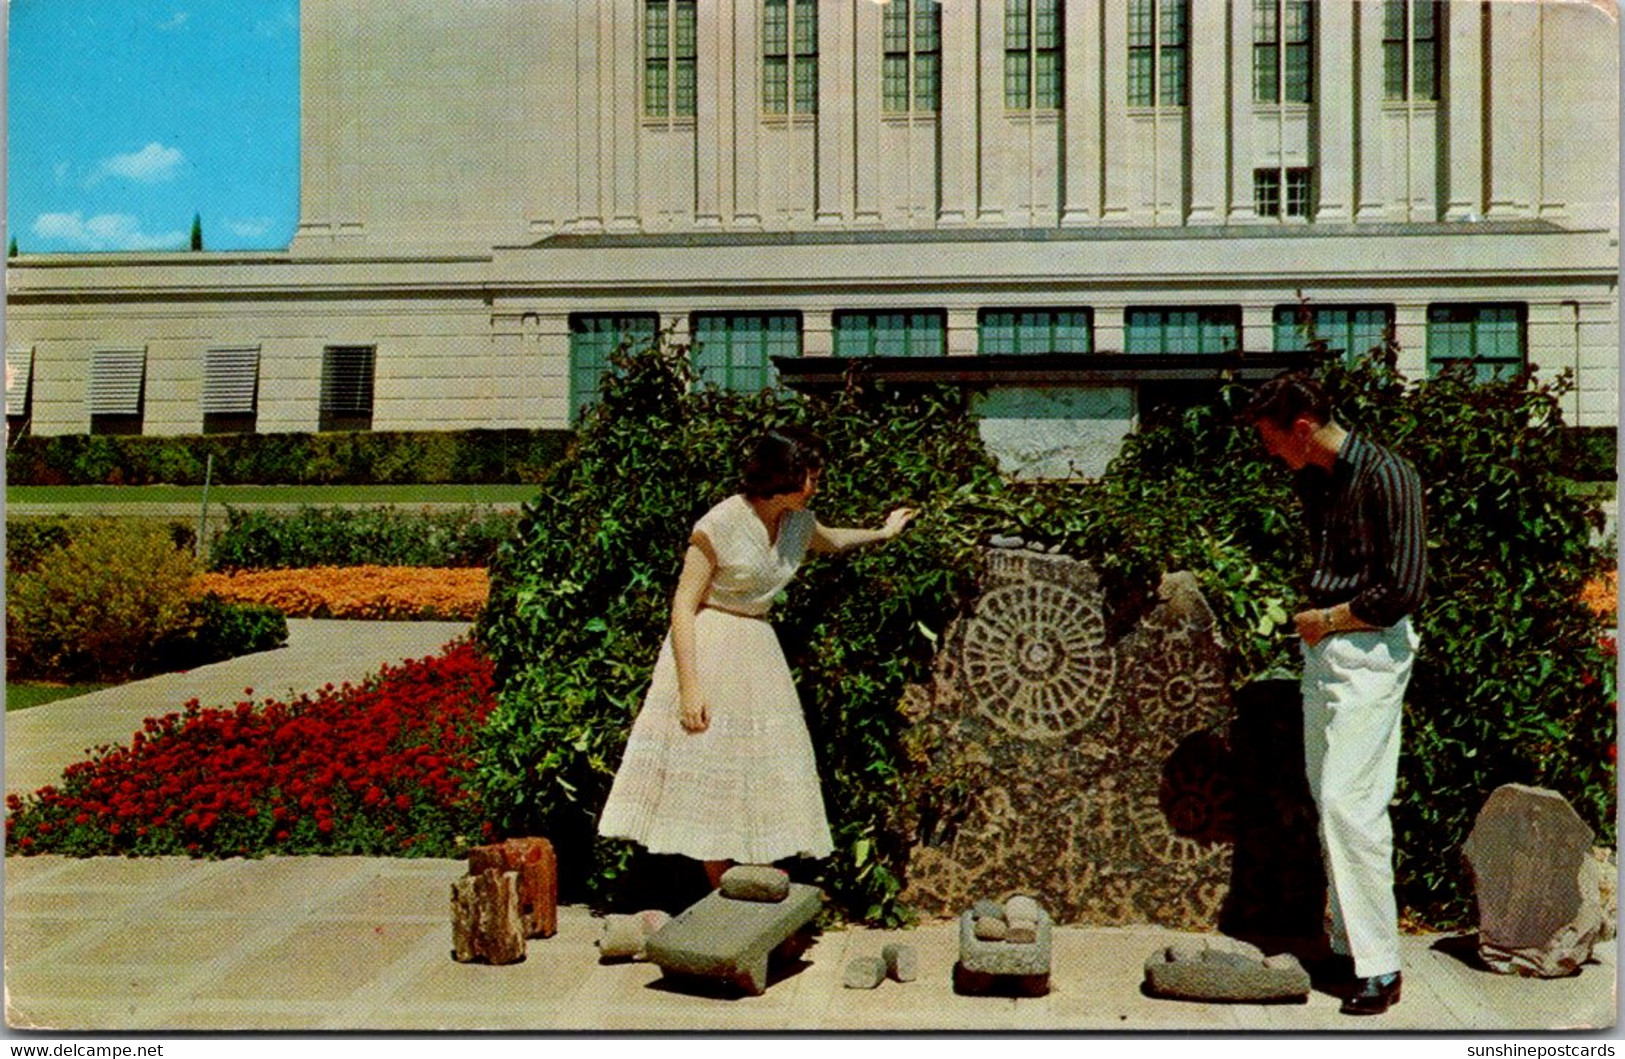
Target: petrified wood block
x,y
1059,725
485,919
538,869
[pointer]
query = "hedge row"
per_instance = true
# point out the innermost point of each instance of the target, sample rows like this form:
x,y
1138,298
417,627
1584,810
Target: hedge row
x,y
380,536
473,457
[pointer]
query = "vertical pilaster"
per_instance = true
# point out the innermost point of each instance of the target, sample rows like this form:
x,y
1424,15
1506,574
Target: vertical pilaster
x,y
962,339
1206,150
1243,152
1464,112
1369,171
991,124
868,167
621,69
836,96
747,79
588,215
1514,126
1080,141
714,91
1117,168
960,145
1335,112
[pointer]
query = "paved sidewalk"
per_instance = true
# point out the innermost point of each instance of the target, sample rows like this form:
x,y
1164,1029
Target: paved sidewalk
x,y
328,943
41,741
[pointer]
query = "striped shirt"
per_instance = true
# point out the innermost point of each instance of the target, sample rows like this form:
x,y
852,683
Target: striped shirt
x,y
1367,529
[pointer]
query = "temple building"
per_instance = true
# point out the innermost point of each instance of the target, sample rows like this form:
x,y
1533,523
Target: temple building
x,y
1071,206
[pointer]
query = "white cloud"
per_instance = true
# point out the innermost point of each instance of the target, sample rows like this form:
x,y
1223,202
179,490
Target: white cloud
x,y
176,21
153,164
249,227
105,231
60,171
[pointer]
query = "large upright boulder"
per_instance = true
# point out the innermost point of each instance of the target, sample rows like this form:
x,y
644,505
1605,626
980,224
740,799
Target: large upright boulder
x,y
1058,730
1539,908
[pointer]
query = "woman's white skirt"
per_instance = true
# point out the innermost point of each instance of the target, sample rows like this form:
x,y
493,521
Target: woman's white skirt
x,y
745,789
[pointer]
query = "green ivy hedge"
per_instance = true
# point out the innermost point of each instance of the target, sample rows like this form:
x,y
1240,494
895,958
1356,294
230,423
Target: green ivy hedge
x,y
382,536
474,457
1506,688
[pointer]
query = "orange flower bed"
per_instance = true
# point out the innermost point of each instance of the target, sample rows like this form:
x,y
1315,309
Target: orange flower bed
x,y
388,593
1602,595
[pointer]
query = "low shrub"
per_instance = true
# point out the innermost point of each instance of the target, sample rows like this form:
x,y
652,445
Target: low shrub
x,y
377,593
28,540
380,536
214,630
377,769
96,607
338,458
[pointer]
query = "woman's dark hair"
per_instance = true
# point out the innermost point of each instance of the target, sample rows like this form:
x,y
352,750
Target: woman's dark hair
x,y
1287,398
780,461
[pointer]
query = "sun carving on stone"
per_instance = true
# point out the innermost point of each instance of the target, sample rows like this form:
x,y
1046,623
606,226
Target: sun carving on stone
x,y
1035,660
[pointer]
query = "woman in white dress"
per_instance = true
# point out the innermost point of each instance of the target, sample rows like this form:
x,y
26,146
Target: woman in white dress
x,y
719,766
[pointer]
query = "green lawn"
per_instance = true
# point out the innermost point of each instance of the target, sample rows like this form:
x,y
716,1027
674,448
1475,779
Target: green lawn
x,y
20,696
269,494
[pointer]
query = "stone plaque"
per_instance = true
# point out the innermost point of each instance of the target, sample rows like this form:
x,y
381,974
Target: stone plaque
x,y
1058,736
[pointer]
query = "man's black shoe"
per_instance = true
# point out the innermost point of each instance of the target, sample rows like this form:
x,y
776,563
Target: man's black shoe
x,y
1373,996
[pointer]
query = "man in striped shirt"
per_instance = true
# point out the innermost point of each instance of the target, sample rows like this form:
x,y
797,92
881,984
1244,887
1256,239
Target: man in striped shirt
x,y
1365,513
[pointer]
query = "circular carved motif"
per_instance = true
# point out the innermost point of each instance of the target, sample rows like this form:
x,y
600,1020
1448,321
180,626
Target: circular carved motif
x,y
1035,661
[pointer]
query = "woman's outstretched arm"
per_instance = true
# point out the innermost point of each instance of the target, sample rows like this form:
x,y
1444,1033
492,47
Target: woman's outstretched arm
x,y
830,539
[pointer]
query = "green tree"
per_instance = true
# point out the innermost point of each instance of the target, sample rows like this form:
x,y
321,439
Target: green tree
x,y
11,250
197,231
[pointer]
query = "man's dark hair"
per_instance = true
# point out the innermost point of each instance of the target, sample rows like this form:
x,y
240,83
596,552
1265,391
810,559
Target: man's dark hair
x,y
1287,398
780,461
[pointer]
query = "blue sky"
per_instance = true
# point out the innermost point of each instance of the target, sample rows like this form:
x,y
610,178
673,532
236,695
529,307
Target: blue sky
x,y
126,117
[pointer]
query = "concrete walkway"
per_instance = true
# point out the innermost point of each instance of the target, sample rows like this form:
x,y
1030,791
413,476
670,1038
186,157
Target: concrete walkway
x,y
326,943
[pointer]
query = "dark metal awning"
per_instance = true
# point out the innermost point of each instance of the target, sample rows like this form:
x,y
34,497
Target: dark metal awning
x,y
1044,369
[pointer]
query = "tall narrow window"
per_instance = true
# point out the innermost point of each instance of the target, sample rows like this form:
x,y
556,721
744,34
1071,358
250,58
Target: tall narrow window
x,y
1032,54
669,58
1205,329
901,333
1028,331
1353,331
347,374
593,337
1410,49
736,350
19,390
790,56
1283,51
117,394
230,390
1490,337
1158,53
911,64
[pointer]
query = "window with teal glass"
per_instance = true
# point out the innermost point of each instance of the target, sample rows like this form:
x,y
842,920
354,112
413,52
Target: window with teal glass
x,y
735,350
900,333
1490,337
790,56
911,43
593,337
1353,330
1205,329
1032,55
1158,52
1410,49
1036,331
1283,51
670,67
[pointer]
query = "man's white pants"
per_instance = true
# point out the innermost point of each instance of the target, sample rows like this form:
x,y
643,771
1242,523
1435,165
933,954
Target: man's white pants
x,y
1353,694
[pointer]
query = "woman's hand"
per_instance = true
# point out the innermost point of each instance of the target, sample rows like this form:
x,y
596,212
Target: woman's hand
x,y
694,714
897,520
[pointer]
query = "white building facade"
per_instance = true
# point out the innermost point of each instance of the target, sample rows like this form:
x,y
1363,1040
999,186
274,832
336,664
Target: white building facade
x,y
494,191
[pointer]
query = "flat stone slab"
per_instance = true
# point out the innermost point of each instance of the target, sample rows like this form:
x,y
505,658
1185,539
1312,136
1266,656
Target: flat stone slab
x,y
720,937
1243,975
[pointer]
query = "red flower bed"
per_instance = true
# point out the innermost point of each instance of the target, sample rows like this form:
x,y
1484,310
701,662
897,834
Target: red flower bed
x,y
374,769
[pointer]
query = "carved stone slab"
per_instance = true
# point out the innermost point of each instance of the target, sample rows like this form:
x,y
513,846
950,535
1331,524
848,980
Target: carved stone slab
x,y
1539,910
1060,732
